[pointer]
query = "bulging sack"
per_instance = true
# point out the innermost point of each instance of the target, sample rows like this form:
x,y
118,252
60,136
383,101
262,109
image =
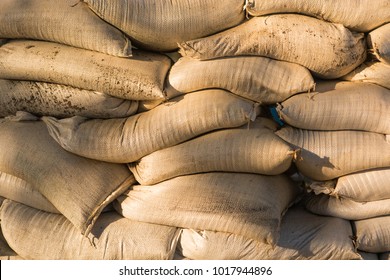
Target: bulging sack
x,y
68,22
161,25
378,41
290,37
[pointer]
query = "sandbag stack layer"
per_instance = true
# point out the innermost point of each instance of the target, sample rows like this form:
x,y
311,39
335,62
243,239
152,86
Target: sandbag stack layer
x,y
194,130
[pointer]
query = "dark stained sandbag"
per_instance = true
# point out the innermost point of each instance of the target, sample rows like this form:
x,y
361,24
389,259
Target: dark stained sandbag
x,y
250,205
328,50
260,79
359,106
38,235
68,22
47,99
303,236
326,155
124,140
249,149
356,15
140,77
373,235
378,41
78,187
161,25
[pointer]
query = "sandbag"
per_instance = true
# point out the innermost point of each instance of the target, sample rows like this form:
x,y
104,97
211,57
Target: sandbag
x,y
253,149
6,253
372,235
326,155
16,189
140,77
68,22
356,15
303,236
250,205
293,38
38,235
370,72
356,107
161,25
47,99
124,140
378,41
259,79
78,187
367,185
346,208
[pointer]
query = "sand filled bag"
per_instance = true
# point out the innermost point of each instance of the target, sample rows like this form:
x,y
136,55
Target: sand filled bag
x,y
303,236
253,149
140,77
359,106
367,185
326,155
14,188
47,99
378,41
346,208
38,235
68,22
356,15
373,235
78,187
161,25
328,50
124,140
250,205
260,79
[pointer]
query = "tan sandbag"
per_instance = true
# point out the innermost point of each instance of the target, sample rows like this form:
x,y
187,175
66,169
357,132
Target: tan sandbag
x,y
140,77
161,25
328,50
378,41
372,235
371,72
326,155
356,15
16,189
68,22
303,236
346,208
357,107
367,185
250,205
249,149
6,253
78,187
260,79
38,235
47,99
124,140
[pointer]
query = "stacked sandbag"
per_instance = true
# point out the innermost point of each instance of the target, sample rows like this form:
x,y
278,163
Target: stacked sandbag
x,y
378,41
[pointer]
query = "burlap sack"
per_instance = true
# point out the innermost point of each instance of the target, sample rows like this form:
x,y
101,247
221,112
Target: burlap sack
x,y
378,41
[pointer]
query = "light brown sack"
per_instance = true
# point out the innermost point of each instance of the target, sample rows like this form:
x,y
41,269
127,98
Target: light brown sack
x,y
161,25
14,188
378,41
303,236
359,106
38,235
250,205
253,149
78,187
328,50
140,77
47,99
326,155
126,140
6,253
68,22
356,15
373,235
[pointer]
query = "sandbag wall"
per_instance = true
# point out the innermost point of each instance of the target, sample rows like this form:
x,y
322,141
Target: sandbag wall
x,y
233,130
